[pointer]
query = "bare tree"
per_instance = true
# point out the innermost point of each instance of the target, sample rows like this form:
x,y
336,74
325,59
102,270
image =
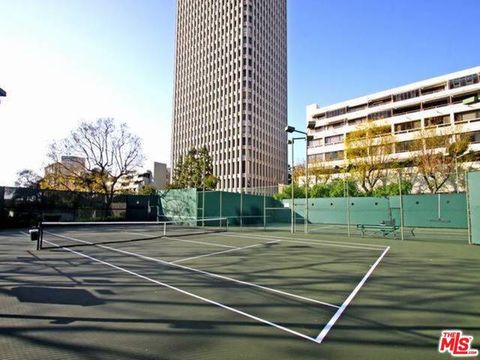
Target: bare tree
x,y
95,156
27,178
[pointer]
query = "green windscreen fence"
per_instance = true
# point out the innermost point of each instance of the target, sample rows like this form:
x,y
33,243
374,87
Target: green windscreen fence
x,y
430,217
178,204
474,206
433,217
245,210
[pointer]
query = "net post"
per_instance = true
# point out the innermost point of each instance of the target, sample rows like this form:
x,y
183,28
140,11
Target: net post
x,y
40,236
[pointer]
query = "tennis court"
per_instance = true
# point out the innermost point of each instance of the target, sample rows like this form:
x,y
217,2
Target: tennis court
x,y
100,291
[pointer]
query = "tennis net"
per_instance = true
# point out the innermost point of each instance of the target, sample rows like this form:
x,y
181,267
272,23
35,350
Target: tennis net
x,y
60,234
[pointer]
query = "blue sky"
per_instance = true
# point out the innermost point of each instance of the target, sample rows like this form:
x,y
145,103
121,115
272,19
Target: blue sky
x,y
65,61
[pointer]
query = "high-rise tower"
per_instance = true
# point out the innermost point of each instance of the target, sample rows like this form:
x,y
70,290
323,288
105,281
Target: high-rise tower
x,y
231,88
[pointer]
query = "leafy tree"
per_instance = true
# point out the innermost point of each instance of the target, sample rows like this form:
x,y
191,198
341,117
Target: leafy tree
x,y
436,155
335,188
99,154
339,188
194,170
319,191
28,179
298,192
393,189
320,173
298,172
367,150
148,189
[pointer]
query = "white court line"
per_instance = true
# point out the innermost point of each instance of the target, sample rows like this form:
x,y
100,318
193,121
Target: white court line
x,y
342,308
184,240
218,252
200,271
226,307
318,241
302,240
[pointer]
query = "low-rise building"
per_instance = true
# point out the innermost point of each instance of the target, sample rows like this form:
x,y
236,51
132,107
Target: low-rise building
x,y
441,105
134,182
64,174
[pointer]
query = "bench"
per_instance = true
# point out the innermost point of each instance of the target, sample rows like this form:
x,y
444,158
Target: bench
x,y
382,228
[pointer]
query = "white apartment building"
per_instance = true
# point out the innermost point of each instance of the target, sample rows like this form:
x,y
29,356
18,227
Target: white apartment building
x,y
135,181
231,88
446,102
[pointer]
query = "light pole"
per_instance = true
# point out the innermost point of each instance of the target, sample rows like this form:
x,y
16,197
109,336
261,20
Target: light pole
x,y
203,195
307,138
292,206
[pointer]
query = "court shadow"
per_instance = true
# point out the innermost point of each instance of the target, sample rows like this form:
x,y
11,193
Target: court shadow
x,y
50,295
192,325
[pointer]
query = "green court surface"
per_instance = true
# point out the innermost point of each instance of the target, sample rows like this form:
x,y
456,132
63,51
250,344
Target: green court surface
x,y
233,295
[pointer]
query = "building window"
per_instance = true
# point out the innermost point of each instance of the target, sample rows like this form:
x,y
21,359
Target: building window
x,y
468,116
336,112
404,146
463,81
408,126
380,115
474,137
315,143
330,140
437,121
436,103
334,155
406,95
314,159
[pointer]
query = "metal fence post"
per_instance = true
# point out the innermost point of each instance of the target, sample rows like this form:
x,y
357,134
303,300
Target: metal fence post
x,y
402,236
221,204
467,196
348,204
241,208
264,209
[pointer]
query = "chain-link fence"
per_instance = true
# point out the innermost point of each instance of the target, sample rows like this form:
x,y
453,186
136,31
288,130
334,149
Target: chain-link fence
x,y
26,207
397,207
